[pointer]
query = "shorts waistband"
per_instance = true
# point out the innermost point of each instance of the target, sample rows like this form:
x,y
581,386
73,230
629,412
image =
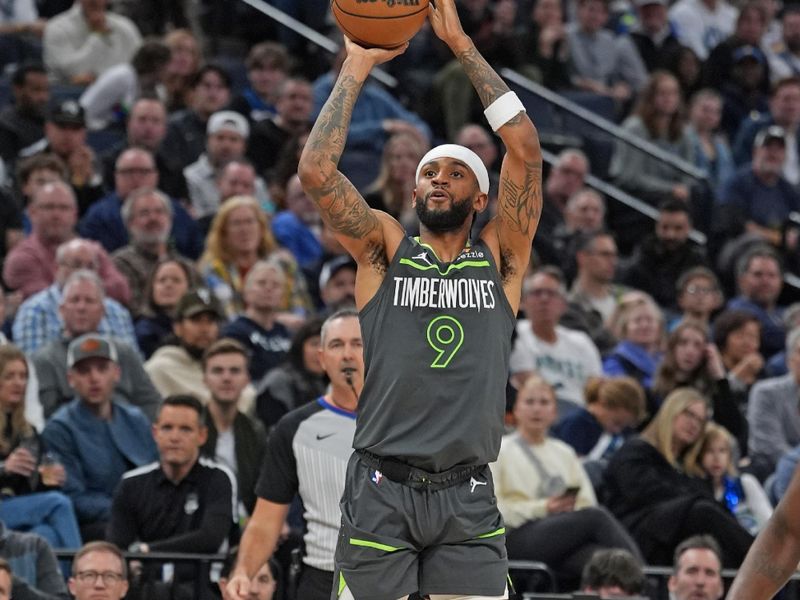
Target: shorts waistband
x,y
400,472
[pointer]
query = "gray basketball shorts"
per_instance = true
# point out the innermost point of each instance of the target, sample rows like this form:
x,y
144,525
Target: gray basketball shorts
x,y
396,540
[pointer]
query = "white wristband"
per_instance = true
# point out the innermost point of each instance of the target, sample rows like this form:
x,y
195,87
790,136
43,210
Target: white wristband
x,y
502,110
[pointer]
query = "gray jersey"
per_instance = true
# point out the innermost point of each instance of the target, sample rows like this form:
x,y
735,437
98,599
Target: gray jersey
x,y
437,338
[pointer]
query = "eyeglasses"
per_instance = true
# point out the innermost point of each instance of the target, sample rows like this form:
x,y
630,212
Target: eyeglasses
x,y
698,290
543,293
696,418
108,577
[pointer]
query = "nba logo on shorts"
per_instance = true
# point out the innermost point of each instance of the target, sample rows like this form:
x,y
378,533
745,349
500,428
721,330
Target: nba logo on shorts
x,y
376,477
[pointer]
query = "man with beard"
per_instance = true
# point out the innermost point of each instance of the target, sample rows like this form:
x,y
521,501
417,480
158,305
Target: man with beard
x,y
437,314
22,123
661,258
148,216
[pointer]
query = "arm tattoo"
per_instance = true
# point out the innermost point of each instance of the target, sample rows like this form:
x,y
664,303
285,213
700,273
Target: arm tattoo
x,y
522,203
343,208
329,134
486,81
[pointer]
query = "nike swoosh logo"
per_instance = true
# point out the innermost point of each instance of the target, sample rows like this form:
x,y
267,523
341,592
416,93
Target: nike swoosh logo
x,y
323,437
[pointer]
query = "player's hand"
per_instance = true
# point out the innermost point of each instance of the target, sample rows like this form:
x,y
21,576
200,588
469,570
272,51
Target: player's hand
x,y
445,22
371,56
238,587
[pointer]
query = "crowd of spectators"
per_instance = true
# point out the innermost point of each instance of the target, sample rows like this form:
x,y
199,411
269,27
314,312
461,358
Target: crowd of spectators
x,y
165,277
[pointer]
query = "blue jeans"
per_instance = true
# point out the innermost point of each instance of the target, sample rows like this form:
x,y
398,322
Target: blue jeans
x,y
50,514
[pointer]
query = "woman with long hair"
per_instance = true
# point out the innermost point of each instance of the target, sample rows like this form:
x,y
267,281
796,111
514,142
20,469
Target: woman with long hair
x,y
29,478
170,279
239,237
650,490
185,59
544,493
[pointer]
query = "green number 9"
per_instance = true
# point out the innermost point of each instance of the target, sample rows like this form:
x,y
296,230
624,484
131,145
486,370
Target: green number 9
x,y
445,335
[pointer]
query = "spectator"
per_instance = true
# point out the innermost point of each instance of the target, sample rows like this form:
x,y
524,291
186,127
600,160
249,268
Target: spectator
x,y
697,569
35,172
307,454
691,361
737,335
784,111
21,30
601,63
698,295
710,148
235,440
613,573
784,54
146,127
182,502
169,280
32,265
85,41
647,485
108,100
542,488
773,415
777,364
136,169
65,136
640,326
741,494
239,237
541,45
35,574
22,123
661,258
337,283
614,405
264,585
702,24
298,381
81,311
268,65
237,178
228,132
686,67
210,91
96,424
743,92
653,35
376,114
297,227
293,104
477,138
99,571
266,339
38,320
564,358
148,217
31,497
760,279
184,63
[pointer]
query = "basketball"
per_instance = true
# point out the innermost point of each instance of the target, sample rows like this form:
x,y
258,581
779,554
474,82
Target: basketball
x,y
380,23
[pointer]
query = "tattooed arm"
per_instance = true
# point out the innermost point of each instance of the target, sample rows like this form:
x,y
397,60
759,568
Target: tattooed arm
x,y
511,232
774,555
369,236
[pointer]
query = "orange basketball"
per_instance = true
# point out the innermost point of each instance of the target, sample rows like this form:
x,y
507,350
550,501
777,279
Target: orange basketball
x,y
380,23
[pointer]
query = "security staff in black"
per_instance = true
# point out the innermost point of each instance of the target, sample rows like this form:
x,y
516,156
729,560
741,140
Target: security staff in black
x,y
418,511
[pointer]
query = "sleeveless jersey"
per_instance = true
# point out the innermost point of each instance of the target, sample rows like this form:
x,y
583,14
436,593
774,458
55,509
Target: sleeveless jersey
x,y
437,339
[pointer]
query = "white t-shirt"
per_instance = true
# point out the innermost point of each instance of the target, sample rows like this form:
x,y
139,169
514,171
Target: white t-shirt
x,y
566,365
700,28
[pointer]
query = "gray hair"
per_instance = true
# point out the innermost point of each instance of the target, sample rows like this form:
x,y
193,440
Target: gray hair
x,y
586,192
270,264
79,276
550,271
146,192
73,244
344,313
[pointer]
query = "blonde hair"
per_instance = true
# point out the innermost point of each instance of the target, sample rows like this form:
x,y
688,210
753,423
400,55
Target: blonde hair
x,y
659,432
712,433
617,392
383,183
216,244
628,303
19,426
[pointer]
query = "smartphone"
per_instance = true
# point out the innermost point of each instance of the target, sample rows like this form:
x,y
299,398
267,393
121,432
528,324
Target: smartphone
x,y
572,491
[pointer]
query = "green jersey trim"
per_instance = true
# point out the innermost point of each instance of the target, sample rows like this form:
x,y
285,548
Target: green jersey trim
x,y
375,545
467,263
494,533
342,585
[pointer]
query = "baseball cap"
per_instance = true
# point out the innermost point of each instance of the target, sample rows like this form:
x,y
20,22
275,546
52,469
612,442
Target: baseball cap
x,y
68,113
197,302
743,52
769,134
333,266
90,345
228,120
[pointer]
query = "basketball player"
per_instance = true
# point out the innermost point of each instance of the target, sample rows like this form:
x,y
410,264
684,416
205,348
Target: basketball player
x,y
437,313
774,555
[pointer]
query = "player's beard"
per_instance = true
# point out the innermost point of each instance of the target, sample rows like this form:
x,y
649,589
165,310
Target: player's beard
x,y
444,220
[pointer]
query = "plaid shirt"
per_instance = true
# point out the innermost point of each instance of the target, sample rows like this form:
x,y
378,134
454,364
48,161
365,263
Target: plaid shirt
x,y
39,322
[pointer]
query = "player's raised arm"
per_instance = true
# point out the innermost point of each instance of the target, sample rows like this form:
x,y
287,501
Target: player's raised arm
x,y
520,194
357,227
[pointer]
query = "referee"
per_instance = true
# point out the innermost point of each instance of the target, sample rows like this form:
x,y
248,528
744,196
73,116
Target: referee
x,y
307,454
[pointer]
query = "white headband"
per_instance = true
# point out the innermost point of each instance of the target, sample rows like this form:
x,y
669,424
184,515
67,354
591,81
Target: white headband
x,y
465,155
